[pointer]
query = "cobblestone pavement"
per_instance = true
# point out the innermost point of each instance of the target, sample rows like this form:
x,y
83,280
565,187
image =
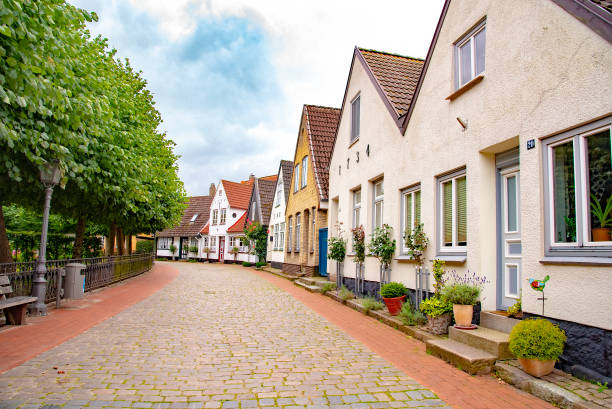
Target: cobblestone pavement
x,y
216,337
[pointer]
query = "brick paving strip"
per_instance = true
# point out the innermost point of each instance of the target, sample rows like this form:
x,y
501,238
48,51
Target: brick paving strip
x,y
454,386
18,344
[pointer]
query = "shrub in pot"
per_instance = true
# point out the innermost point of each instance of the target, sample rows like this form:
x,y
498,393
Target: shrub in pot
x,y
438,312
393,294
172,249
463,297
537,343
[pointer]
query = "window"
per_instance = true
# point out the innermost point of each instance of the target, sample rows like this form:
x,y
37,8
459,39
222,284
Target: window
x,y
290,236
163,243
193,242
314,219
304,170
213,243
297,232
282,236
379,194
275,242
356,207
470,55
279,189
205,241
296,178
411,211
452,207
355,118
232,242
193,218
578,187
223,214
215,216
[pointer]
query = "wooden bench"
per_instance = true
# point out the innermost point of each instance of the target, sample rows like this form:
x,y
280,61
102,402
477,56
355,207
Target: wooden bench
x,y
14,307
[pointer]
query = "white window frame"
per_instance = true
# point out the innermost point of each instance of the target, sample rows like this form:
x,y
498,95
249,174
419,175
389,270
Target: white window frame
x,y
290,235
507,174
223,217
355,118
282,236
275,241
450,178
380,199
279,188
583,247
213,244
481,26
215,216
411,191
298,225
296,178
163,243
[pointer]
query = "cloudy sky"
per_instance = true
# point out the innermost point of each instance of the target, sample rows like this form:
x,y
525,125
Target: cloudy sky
x,y
230,76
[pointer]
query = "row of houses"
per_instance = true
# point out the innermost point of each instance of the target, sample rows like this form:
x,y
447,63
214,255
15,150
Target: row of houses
x,y
498,142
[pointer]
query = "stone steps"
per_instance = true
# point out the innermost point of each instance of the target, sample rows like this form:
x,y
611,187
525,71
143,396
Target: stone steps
x,y
469,359
318,281
489,340
300,282
497,322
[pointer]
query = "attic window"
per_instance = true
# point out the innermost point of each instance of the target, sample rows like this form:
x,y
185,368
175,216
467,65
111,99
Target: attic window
x,y
193,219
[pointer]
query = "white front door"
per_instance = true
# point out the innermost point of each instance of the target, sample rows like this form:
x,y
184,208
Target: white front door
x,y
509,285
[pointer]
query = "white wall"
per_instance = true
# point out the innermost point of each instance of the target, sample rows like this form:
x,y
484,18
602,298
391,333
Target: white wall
x,y
277,216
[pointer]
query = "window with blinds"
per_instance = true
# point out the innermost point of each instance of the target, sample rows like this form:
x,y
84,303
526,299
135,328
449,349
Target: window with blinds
x,y
355,114
453,213
411,210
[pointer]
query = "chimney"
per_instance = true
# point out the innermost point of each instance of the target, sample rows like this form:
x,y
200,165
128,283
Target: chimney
x,y
212,190
251,179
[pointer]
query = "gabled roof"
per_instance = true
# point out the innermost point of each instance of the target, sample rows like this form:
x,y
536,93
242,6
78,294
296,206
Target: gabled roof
x,y
238,227
196,205
286,169
205,229
266,188
238,194
321,125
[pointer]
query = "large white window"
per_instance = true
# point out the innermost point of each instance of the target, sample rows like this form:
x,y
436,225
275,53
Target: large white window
x,y
304,171
356,208
578,166
297,232
411,211
281,236
275,242
213,244
163,243
452,212
355,118
379,196
470,55
215,217
279,189
223,215
290,235
296,178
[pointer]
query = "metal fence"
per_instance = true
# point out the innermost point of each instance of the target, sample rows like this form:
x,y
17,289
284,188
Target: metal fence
x,y
99,271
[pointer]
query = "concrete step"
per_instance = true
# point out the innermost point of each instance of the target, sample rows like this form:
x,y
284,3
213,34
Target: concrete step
x,y
280,273
497,322
489,340
318,281
312,288
469,359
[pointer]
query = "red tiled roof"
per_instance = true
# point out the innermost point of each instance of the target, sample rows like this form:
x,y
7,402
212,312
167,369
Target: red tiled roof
x,y
397,76
238,194
199,205
205,229
321,125
238,227
266,189
271,177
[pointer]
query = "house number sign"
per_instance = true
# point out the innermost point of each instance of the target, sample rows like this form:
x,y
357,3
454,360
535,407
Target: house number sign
x,y
530,144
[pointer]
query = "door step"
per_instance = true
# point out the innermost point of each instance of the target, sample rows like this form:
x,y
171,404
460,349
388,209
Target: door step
x,y
497,322
489,340
300,282
469,359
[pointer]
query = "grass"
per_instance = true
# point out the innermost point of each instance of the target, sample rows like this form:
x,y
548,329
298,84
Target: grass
x,y
370,304
345,294
328,287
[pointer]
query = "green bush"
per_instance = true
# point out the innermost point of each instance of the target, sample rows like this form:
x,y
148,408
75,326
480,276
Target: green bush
x,y
193,249
345,294
370,304
247,263
537,339
337,248
393,290
260,264
463,294
328,287
410,316
515,309
434,307
144,246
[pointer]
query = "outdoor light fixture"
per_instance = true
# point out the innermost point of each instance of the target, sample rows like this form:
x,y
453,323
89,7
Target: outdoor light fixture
x,y
50,176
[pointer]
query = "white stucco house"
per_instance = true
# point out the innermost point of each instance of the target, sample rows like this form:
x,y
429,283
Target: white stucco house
x,y
276,236
499,142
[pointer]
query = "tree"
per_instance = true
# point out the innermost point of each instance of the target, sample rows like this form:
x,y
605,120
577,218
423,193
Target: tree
x,y
256,233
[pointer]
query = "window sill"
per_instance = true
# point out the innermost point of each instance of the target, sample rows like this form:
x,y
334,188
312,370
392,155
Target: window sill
x,y
405,258
459,258
468,86
566,260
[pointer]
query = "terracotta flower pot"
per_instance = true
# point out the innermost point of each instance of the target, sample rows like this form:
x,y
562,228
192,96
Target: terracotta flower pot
x,y
394,305
535,367
439,325
601,234
463,314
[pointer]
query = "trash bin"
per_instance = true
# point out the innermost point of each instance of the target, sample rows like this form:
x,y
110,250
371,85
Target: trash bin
x,y
74,282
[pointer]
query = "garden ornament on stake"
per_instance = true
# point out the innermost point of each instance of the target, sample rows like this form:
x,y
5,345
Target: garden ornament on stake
x,y
539,285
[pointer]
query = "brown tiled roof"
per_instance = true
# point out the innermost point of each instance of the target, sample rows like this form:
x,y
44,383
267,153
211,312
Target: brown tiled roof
x,y
199,205
266,188
286,168
238,227
605,4
321,125
396,74
238,194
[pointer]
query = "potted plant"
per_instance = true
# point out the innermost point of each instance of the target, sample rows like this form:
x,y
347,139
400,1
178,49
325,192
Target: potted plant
x,y
382,246
194,250
462,297
394,295
337,252
438,312
234,251
537,343
172,249
601,233
416,242
359,258
206,251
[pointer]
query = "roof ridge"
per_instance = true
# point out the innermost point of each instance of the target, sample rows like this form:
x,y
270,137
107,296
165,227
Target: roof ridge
x,y
391,54
320,106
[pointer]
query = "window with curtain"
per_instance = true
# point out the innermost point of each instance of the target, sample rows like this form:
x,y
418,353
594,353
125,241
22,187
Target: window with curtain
x,y
163,243
355,117
411,211
453,212
379,195
304,171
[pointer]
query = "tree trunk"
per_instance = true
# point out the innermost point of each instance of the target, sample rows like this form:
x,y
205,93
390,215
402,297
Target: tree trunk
x,y
120,242
5,250
110,246
77,249
128,243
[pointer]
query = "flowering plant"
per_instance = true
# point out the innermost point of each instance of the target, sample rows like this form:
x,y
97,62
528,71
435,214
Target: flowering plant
x,y
359,243
337,246
470,278
382,245
255,233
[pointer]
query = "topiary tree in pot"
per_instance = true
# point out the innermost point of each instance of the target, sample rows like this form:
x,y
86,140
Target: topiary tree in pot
x,y
394,295
537,343
337,252
359,249
172,249
382,246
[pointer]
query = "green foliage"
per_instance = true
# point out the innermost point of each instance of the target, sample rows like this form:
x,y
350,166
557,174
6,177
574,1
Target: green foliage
x,y
516,308
59,246
393,290
410,316
416,241
247,263
537,339
255,233
234,251
602,215
206,251
436,306
602,387
370,304
345,294
327,287
463,294
144,246
438,275
172,249
260,264
193,249
382,244
358,244
337,248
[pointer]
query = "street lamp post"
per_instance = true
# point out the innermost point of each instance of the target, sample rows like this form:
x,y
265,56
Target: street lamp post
x,y
50,176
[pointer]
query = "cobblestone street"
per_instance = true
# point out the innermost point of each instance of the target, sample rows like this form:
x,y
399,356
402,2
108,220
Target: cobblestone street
x,y
218,336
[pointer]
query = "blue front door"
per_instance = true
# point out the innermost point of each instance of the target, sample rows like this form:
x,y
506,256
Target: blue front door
x,y
323,252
